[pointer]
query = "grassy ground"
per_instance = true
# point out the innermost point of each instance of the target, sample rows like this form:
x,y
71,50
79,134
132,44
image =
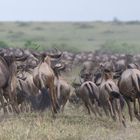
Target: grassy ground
x,y
79,36
74,124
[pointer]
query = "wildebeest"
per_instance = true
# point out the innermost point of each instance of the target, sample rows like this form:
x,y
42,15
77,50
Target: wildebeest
x,y
110,97
129,85
62,88
8,71
89,93
43,77
63,92
86,72
25,87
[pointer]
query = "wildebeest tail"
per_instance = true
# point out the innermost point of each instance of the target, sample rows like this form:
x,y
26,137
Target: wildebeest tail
x,y
92,94
122,101
118,95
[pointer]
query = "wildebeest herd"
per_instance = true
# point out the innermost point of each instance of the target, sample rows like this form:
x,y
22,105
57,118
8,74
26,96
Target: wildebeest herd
x,y
31,80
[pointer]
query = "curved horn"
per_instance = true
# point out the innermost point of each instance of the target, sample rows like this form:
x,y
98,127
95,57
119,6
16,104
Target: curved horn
x,y
36,54
17,52
58,54
22,58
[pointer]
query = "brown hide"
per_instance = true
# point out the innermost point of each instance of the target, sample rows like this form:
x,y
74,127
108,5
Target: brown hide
x,y
110,97
43,77
8,82
89,93
63,90
129,85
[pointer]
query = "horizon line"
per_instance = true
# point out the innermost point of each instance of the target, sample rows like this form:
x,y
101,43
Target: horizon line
x,y
113,20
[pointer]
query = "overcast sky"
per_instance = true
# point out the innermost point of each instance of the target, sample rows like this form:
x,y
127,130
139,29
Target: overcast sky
x,y
69,10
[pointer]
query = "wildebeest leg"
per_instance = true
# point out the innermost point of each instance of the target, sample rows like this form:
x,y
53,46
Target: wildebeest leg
x,y
139,103
14,103
129,109
2,101
21,107
105,110
15,107
24,107
57,103
53,107
54,101
114,103
92,107
63,104
97,107
111,110
58,89
136,110
27,107
9,107
120,114
86,105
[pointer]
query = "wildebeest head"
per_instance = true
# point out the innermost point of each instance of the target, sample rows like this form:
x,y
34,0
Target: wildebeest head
x,y
86,73
51,58
104,71
119,66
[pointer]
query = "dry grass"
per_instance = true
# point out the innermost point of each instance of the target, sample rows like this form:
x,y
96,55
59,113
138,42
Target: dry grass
x,y
74,124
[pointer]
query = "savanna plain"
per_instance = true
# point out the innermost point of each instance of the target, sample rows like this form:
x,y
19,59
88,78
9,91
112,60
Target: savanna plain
x,y
74,123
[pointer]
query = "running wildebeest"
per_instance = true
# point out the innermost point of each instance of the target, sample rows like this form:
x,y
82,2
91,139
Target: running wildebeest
x,y
8,84
43,77
110,97
129,85
89,93
62,88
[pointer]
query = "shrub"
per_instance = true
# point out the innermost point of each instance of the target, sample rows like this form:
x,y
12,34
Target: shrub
x,y
31,45
3,44
118,47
